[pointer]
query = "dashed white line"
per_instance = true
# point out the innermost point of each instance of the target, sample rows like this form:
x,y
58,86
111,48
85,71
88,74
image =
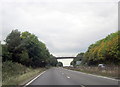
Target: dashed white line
x,y
68,77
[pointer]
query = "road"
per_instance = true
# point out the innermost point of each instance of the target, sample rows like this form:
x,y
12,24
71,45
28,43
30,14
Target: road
x,y
61,76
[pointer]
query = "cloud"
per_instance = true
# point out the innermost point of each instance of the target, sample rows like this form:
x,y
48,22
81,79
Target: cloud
x,y
66,26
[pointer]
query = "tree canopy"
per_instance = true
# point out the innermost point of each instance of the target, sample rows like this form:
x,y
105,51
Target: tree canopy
x,y
60,64
79,57
104,51
25,48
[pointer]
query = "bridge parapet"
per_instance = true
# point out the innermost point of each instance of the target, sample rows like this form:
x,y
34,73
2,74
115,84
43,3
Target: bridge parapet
x,y
65,57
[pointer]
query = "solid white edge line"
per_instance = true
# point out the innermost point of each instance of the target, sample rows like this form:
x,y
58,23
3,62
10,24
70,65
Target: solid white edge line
x,y
95,75
34,79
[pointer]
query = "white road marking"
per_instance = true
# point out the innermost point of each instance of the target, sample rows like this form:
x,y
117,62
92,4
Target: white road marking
x,y
34,79
82,85
68,77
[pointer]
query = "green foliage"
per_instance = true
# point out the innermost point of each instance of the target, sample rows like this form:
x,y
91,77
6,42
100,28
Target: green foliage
x,y
37,50
60,64
13,41
11,69
79,57
52,61
104,51
0,48
6,55
24,57
25,48
14,73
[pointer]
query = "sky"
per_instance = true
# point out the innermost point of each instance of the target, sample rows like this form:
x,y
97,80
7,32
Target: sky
x,y
67,27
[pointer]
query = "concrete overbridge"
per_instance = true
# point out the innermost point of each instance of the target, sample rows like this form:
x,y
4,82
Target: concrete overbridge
x,y
65,57
65,60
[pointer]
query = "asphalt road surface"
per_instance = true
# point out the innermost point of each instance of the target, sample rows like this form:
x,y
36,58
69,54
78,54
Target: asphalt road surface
x,y
61,76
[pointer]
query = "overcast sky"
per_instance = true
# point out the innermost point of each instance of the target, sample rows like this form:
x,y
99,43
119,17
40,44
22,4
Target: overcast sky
x,y
67,27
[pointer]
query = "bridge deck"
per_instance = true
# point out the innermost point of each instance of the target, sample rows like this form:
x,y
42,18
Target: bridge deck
x,y
65,57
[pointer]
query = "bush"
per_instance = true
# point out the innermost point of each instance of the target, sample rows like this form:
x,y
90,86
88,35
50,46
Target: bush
x,y
10,69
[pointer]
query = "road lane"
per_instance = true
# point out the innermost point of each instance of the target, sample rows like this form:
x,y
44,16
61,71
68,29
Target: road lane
x,y
87,79
61,76
52,77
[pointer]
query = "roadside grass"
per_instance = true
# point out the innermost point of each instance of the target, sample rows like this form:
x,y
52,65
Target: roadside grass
x,y
16,74
111,71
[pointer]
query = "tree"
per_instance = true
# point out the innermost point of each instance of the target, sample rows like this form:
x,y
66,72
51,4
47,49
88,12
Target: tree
x,y
13,41
104,51
24,57
25,48
37,50
52,61
6,55
60,64
79,57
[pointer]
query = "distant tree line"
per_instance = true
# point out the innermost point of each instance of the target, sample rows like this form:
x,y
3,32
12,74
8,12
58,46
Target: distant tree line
x,y
60,64
79,57
25,48
105,51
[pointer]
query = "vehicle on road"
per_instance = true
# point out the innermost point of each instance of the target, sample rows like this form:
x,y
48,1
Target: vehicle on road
x,y
101,66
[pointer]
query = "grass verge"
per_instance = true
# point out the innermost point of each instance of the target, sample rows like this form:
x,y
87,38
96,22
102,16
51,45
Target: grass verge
x,y
16,74
111,72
